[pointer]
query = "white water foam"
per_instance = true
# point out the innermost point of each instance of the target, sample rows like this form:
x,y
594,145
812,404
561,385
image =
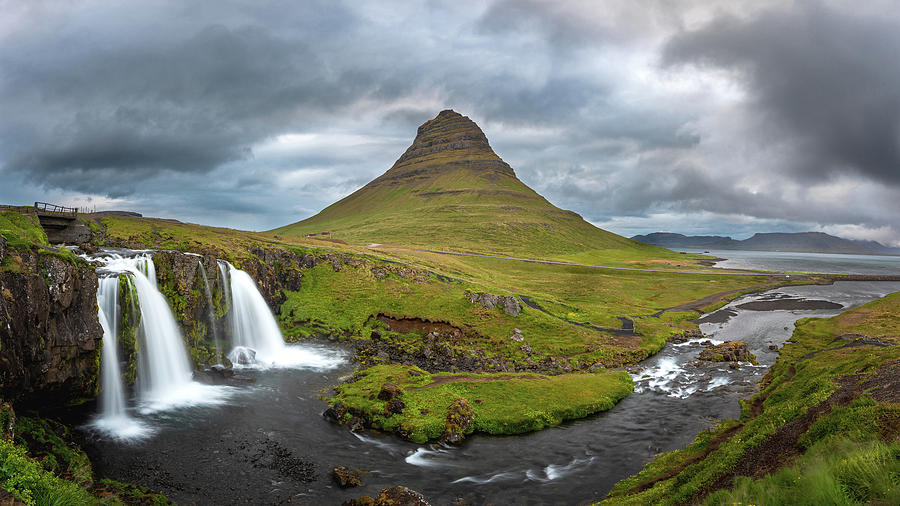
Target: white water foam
x,y
423,457
555,471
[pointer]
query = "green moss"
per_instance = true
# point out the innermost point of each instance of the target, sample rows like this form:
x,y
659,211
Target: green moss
x,y
133,494
31,483
22,230
503,403
129,325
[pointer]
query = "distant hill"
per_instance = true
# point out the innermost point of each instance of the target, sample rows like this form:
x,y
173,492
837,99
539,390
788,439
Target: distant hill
x,y
449,190
804,242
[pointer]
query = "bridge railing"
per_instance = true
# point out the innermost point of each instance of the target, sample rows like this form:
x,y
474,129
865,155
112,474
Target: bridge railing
x,y
47,208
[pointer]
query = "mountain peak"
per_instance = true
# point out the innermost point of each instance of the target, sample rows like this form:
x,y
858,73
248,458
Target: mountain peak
x,y
448,142
448,131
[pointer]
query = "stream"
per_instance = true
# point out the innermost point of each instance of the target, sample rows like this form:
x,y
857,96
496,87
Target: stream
x,y
267,443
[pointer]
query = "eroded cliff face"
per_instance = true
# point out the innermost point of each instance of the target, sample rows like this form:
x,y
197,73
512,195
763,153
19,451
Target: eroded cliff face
x,y
50,336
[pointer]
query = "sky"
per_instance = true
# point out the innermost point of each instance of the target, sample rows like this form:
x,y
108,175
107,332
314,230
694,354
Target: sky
x,y
691,116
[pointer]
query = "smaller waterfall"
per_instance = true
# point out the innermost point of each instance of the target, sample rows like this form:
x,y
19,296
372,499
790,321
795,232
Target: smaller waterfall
x,y
113,417
148,268
212,313
255,334
112,400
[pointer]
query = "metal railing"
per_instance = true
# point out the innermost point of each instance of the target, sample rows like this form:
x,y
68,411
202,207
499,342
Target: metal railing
x,y
47,208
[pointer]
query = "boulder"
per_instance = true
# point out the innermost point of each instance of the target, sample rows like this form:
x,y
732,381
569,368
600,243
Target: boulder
x,y
389,391
458,423
511,306
730,351
394,496
242,355
346,477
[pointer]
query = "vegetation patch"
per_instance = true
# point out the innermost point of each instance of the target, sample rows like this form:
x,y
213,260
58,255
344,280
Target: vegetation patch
x,y
501,403
823,430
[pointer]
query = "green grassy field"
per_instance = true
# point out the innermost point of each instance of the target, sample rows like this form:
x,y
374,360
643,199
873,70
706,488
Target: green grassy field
x,y
502,403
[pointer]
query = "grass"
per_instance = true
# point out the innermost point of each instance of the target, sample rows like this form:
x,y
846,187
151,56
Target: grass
x,y
840,472
503,403
21,230
848,453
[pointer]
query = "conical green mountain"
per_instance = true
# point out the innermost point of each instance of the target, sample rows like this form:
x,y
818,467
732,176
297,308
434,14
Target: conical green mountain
x,y
450,191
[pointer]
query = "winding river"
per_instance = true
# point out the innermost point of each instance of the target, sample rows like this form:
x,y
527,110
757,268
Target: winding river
x,y
267,443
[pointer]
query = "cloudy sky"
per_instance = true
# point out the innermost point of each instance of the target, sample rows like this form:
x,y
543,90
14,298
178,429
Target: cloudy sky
x,y
641,115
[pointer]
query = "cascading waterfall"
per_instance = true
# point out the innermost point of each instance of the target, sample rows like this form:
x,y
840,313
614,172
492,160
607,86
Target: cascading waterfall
x,y
112,400
212,312
164,371
255,335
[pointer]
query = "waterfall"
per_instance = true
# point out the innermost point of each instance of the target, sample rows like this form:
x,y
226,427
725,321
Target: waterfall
x,y
164,370
148,268
167,367
252,323
212,312
113,418
255,335
112,401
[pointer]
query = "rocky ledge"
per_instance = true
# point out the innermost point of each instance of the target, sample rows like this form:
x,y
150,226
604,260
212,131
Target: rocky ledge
x,y
49,332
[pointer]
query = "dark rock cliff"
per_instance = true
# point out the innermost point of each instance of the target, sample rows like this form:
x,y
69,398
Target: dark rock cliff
x,y
50,337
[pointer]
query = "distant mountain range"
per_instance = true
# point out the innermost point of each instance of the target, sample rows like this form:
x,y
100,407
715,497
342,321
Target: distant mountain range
x,y
804,242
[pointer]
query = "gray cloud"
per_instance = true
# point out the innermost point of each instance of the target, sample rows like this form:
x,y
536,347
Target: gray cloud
x,y
229,115
827,80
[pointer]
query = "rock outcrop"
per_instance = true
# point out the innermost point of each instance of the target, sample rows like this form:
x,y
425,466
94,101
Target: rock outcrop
x,y
394,496
459,422
50,336
346,477
508,303
730,351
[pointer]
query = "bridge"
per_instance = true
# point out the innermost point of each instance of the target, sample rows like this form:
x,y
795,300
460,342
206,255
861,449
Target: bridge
x,y
61,223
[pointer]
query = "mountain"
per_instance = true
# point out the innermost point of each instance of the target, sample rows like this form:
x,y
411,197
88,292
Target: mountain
x,y
450,191
805,242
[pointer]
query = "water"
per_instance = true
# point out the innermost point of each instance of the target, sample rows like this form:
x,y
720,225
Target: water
x,y
805,262
208,453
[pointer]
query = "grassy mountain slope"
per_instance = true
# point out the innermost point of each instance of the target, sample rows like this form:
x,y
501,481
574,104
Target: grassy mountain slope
x,y
450,191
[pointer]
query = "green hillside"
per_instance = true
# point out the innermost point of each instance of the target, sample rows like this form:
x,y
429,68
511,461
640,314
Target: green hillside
x,y
450,191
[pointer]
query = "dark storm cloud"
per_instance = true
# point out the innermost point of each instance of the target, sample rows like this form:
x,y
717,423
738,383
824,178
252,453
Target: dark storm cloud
x,y
187,105
826,80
